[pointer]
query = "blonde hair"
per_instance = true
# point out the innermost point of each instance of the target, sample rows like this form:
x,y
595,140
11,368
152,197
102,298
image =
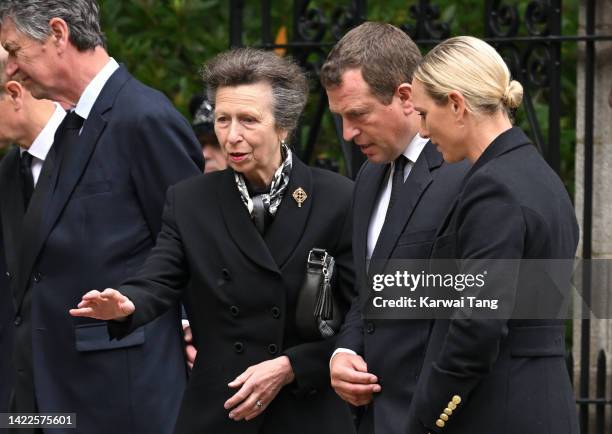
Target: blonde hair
x,y
473,67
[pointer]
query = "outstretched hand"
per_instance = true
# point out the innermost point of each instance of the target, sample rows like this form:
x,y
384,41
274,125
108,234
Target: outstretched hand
x,y
106,305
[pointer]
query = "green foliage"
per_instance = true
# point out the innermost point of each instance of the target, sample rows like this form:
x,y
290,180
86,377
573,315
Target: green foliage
x,y
164,43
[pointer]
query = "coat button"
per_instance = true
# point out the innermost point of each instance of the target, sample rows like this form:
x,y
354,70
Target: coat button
x,y
234,311
17,320
275,312
226,274
370,328
272,349
8,274
238,347
37,276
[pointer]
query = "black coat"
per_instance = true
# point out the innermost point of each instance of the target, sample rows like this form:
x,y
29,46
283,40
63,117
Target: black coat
x,y
394,349
6,333
92,229
510,375
241,296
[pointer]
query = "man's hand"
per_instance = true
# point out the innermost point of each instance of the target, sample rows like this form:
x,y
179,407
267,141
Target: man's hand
x,y
351,380
190,349
106,305
259,385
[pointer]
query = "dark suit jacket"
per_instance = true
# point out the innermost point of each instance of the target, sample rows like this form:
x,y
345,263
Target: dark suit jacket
x,y
509,374
6,333
93,229
241,297
394,349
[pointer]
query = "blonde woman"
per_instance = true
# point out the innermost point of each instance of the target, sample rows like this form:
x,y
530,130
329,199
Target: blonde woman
x,y
492,375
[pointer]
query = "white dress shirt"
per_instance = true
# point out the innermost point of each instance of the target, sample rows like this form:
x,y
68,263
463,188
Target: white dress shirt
x,y
412,152
42,143
93,89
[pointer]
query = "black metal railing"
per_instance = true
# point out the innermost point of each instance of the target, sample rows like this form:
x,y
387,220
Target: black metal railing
x,y
530,43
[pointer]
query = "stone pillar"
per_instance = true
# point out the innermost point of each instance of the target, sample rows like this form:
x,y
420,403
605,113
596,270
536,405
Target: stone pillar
x,y
601,330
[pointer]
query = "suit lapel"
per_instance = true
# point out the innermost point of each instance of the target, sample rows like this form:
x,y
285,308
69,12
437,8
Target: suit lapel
x,y
12,208
75,157
369,187
290,221
33,227
417,182
67,162
240,226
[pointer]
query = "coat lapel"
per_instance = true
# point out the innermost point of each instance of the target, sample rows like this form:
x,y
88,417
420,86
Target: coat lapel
x,y
290,221
75,157
67,163
240,226
417,182
369,186
33,227
12,208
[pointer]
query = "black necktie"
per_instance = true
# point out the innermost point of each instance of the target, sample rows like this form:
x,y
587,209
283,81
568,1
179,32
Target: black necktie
x,y
72,122
27,177
398,179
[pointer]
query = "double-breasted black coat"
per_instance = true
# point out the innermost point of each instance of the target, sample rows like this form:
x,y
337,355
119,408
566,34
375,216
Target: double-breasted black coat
x,y
495,374
240,296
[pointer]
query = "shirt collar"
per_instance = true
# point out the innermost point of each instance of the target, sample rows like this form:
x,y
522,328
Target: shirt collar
x,y
93,89
43,142
414,148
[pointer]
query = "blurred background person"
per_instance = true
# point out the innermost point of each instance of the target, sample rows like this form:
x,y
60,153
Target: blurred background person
x,y
203,123
30,124
244,260
501,374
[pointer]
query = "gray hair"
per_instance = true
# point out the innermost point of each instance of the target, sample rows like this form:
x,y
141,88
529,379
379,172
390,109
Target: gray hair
x,y
31,17
249,66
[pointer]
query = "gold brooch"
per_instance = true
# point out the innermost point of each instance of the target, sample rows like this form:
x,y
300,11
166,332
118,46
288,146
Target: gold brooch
x,y
300,196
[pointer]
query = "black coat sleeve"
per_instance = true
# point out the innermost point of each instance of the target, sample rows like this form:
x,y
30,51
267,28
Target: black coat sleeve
x,y
161,280
489,225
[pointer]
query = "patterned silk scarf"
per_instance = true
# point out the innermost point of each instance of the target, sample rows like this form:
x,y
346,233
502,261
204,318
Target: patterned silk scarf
x,y
280,181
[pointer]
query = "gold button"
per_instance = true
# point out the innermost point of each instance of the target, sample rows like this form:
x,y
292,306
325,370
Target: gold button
x,y
452,405
444,417
456,399
440,423
448,411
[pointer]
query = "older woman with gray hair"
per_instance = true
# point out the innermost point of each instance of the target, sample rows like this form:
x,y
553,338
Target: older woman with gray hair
x,y
239,241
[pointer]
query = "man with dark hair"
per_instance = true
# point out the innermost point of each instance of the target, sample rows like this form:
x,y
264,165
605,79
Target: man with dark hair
x,y
401,195
92,220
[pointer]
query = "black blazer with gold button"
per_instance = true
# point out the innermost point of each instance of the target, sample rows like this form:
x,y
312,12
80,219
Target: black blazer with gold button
x,y
506,376
241,296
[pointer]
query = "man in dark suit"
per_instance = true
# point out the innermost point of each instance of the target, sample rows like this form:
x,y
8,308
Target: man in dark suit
x,y
91,222
401,195
6,306
30,124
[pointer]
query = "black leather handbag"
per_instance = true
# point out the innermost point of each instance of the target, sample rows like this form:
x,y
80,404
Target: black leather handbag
x,y
317,315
